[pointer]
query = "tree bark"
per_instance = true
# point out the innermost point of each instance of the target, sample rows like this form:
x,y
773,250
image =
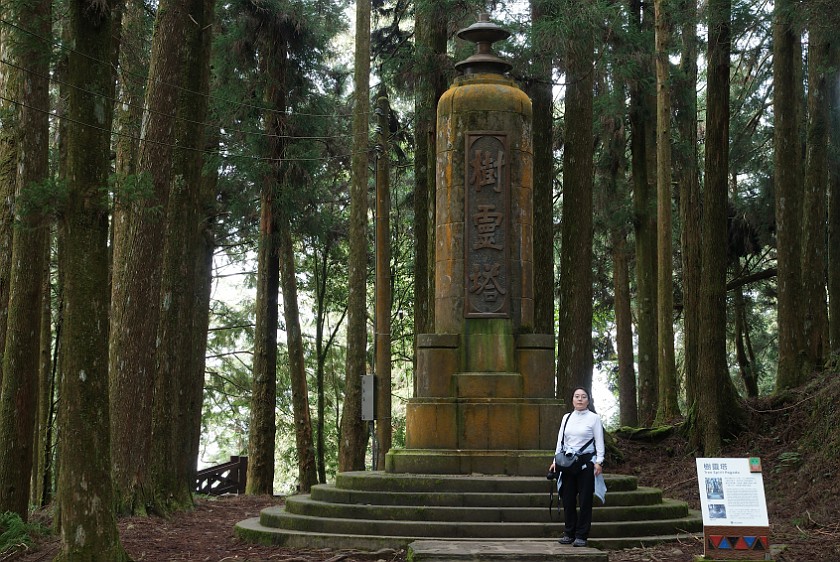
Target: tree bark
x,y
85,489
203,242
746,366
788,197
539,89
814,237
686,167
206,243
133,63
323,344
42,473
834,196
574,350
353,439
172,466
614,205
430,47
136,281
21,353
320,275
307,473
668,407
9,132
263,426
642,141
713,372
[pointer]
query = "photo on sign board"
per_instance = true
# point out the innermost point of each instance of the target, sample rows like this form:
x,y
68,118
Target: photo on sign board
x,y
717,511
714,488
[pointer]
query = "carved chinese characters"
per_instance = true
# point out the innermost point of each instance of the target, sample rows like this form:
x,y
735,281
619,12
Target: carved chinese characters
x,y
486,225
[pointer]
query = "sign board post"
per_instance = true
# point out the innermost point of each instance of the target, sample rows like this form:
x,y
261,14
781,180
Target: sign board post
x,y
735,523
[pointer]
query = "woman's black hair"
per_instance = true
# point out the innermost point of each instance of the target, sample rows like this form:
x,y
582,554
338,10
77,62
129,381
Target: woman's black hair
x,y
588,395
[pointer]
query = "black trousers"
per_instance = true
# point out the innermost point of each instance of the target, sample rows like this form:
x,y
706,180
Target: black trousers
x,y
573,488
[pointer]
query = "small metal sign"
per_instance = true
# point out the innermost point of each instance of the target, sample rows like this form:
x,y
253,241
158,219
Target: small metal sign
x,y
368,398
487,225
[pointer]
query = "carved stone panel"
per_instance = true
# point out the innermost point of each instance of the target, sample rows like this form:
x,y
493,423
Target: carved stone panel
x,y
487,225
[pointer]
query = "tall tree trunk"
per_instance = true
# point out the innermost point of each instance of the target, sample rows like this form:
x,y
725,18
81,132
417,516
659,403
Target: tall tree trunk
x,y
85,489
41,473
746,366
574,350
539,89
814,237
628,404
713,371
617,200
273,48
133,63
206,243
382,306
685,103
203,244
353,440
307,473
644,190
323,344
263,426
320,275
668,407
788,196
834,195
136,282
430,47
10,89
172,468
21,353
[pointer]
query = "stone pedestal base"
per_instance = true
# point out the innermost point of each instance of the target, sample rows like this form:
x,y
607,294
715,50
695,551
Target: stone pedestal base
x,y
493,421
464,461
482,423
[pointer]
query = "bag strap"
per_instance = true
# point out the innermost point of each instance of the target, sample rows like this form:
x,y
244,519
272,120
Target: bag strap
x,y
563,431
551,486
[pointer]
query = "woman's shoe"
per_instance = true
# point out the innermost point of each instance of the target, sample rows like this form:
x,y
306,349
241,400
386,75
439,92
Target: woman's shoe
x,y
566,540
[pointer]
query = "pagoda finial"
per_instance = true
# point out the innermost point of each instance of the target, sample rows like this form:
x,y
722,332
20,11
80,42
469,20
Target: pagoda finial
x,y
483,33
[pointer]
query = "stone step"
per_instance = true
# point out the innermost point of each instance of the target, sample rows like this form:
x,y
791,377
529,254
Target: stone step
x,y
251,530
378,481
374,510
279,518
514,551
306,505
330,493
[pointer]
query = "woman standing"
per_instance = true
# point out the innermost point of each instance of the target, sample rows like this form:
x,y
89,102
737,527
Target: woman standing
x,y
581,432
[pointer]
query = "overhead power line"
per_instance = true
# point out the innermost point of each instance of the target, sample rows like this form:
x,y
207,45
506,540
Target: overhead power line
x,y
170,115
58,44
220,154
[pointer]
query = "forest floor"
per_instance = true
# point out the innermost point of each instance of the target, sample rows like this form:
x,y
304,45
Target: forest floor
x,y
795,436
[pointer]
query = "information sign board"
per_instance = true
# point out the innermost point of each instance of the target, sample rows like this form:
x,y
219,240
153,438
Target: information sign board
x,y
735,523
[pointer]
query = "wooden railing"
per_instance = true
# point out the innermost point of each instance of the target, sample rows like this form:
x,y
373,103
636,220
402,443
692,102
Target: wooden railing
x,y
227,478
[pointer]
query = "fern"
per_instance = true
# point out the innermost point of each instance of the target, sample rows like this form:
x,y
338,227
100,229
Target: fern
x,y
15,534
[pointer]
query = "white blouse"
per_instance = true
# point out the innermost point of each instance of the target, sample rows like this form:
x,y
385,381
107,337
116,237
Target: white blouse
x,y
580,428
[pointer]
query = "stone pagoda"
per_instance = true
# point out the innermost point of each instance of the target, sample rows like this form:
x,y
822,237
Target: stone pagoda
x,y
484,393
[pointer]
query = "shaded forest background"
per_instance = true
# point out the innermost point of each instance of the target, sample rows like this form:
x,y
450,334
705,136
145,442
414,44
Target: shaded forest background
x,y
686,167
